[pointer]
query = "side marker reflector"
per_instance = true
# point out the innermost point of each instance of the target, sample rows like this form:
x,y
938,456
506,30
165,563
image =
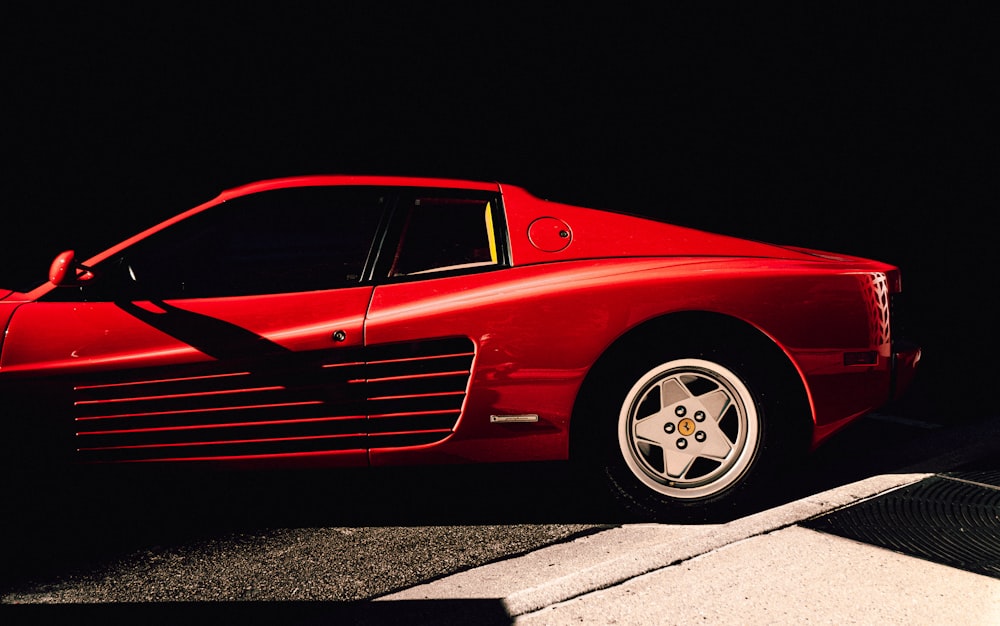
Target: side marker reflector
x,y
513,419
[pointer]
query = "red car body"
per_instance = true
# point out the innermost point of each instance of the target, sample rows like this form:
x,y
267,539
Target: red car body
x,y
483,360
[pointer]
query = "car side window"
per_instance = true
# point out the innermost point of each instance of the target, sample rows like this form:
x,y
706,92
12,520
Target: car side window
x,y
278,241
442,234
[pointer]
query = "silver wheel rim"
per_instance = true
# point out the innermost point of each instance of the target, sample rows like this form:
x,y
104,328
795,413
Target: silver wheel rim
x,y
688,428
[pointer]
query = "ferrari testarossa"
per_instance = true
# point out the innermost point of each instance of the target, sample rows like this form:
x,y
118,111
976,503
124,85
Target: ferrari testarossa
x,y
331,321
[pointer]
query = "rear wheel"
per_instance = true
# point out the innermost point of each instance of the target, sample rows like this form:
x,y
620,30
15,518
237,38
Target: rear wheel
x,y
689,429
695,436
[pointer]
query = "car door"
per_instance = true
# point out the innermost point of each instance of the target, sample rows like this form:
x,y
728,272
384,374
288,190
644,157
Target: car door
x,y
233,334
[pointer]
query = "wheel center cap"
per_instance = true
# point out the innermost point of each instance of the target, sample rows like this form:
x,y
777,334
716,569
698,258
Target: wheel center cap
x,y
686,426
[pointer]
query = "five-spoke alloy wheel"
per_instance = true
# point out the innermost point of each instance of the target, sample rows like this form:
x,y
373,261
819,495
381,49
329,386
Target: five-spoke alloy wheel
x,y
688,429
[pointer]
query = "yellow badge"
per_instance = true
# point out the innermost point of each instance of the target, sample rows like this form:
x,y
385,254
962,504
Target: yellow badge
x,y
686,426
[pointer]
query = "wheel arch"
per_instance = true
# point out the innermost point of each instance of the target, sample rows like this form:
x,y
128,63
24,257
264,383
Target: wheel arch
x,y
696,333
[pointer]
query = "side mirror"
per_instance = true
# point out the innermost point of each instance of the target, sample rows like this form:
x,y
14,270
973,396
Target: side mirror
x,y
66,271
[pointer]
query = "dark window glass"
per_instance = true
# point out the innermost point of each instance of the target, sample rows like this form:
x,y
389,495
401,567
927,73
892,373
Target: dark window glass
x,y
444,234
279,241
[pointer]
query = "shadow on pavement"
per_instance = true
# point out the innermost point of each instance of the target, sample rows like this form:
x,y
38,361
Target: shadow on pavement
x,y
484,612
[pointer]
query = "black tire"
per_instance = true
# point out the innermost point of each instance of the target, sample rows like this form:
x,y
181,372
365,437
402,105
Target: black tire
x,y
696,435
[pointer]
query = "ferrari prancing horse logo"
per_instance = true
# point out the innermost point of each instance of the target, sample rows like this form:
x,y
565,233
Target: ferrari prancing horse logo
x,y
686,426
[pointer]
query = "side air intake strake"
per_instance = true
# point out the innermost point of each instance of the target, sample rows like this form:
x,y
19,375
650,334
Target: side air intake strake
x,y
383,396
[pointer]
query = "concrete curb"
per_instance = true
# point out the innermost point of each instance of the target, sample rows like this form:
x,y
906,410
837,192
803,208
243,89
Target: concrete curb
x,y
564,571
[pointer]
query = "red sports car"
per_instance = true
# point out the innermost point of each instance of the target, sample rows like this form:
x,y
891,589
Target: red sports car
x,y
355,321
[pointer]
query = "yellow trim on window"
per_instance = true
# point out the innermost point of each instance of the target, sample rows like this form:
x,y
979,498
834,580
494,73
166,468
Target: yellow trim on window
x,y
490,234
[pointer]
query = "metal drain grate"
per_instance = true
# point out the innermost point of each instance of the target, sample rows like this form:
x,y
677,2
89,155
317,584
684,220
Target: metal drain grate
x,y
951,518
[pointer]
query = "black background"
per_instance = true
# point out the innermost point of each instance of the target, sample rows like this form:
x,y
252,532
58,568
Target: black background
x,y
864,129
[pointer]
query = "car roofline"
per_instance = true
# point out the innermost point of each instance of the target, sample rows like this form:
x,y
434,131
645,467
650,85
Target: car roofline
x,y
347,179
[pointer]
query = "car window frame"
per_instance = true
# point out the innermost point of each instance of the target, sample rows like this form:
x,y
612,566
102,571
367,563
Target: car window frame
x,y
390,238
